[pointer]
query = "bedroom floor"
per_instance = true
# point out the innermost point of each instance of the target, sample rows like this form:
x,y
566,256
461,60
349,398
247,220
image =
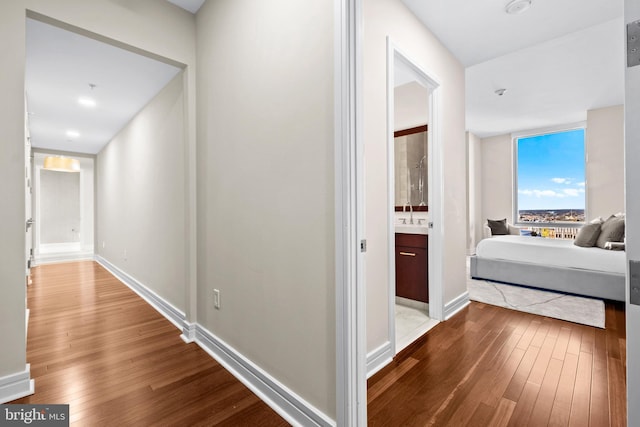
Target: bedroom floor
x,y
493,366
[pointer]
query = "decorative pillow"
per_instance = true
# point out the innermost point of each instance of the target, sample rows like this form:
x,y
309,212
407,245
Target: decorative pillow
x,y
612,230
498,227
588,235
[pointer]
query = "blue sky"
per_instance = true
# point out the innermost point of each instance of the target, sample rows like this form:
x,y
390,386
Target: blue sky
x,y
551,171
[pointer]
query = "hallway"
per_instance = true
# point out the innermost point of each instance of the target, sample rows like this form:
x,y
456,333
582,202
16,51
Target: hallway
x,y
95,345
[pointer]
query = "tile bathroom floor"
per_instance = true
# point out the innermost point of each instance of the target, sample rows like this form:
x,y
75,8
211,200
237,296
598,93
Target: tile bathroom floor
x,y
411,324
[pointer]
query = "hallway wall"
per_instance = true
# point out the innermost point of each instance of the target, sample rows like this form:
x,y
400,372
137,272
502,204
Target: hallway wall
x,y
153,26
266,188
140,203
392,18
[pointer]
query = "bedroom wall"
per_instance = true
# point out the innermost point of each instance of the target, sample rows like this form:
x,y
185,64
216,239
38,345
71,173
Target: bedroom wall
x,y
266,188
496,172
139,203
604,168
154,26
605,165
392,18
474,192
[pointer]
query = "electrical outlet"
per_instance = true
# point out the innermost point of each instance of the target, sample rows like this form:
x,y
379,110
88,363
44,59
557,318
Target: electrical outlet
x,y
216,299
103,244
125,255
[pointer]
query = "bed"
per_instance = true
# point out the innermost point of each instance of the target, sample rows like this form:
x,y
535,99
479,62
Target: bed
x,y
552,264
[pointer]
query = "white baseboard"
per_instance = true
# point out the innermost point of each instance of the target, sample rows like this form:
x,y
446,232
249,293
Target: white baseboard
x,y
42,259
188,332
379,358
285,402
455,305
173,314
413,303
16,385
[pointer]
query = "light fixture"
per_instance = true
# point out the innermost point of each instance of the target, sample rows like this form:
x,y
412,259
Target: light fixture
x,y
73,133
61,164
500,92
86,102
515,7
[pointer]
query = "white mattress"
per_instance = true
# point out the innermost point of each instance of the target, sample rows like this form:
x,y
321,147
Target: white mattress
x,y
551,252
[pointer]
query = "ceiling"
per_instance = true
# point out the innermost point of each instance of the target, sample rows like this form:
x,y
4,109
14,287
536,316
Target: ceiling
x,y
61,65
557,60
191,5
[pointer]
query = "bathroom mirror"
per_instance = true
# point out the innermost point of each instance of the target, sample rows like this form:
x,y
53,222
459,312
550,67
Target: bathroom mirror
x,y
411,113
410,167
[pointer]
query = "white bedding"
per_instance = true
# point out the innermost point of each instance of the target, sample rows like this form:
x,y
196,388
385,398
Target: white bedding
x,y
551,252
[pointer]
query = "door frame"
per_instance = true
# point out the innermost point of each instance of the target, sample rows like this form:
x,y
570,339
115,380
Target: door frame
x,y
434,185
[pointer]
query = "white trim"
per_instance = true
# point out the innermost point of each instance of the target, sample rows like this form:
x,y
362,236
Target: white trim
x,y
456,304
379,358
174,315
351,386
293,408
549,129
15,386
188,332
423,306
62,257
435,184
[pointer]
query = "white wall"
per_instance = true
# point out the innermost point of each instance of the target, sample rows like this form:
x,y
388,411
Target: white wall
x,y
87,202
12,164
411,106
632,175
474,191
605,165
496,171
153,26
139,204
391,18
604,168
266,188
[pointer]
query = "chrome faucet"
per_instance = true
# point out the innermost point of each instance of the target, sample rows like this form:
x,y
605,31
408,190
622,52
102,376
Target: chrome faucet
x,y
410,212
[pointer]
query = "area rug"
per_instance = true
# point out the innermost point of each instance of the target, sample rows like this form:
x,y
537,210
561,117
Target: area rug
x,y
587,311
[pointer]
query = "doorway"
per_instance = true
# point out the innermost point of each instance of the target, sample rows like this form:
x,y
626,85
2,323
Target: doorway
x,y
63,210
414,199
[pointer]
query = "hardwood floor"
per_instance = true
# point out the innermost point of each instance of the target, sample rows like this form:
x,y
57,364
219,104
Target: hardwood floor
x,y
489,366
94,344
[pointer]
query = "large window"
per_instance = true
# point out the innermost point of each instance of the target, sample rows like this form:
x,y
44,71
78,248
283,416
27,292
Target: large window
x,y
550,177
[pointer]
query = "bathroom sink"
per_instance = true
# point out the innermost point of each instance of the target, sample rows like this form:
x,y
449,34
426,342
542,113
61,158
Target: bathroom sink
x,y
412,228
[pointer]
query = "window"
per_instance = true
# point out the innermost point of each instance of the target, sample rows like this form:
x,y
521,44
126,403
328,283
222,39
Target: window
x,y
550,177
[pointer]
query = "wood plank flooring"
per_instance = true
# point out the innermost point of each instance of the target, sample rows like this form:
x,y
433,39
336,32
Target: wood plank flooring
x,y
489,366
96,345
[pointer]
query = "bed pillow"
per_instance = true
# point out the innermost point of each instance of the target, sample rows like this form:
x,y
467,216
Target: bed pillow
x,y
612,230
588,235
498,227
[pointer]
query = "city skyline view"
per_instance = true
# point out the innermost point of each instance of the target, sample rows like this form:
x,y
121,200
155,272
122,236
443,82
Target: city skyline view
x,y
551,171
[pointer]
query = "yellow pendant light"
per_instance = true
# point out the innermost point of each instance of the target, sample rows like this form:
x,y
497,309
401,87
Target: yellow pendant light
x,y
61,164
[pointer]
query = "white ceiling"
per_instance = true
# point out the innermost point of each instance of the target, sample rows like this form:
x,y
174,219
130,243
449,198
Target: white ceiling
x,y
557,60
191,5
60,65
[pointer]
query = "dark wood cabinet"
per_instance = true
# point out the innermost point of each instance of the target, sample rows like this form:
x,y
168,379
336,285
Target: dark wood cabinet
x,y
412,272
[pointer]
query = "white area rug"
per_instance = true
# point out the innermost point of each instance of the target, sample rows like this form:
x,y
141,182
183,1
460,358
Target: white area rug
x,y
587,311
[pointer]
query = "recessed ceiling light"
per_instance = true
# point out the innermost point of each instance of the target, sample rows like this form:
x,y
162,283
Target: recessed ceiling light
x,y
517,6
73,133
86,102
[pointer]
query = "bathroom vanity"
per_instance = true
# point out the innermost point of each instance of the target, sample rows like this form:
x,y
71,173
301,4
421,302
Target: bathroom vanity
x,y
412,272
